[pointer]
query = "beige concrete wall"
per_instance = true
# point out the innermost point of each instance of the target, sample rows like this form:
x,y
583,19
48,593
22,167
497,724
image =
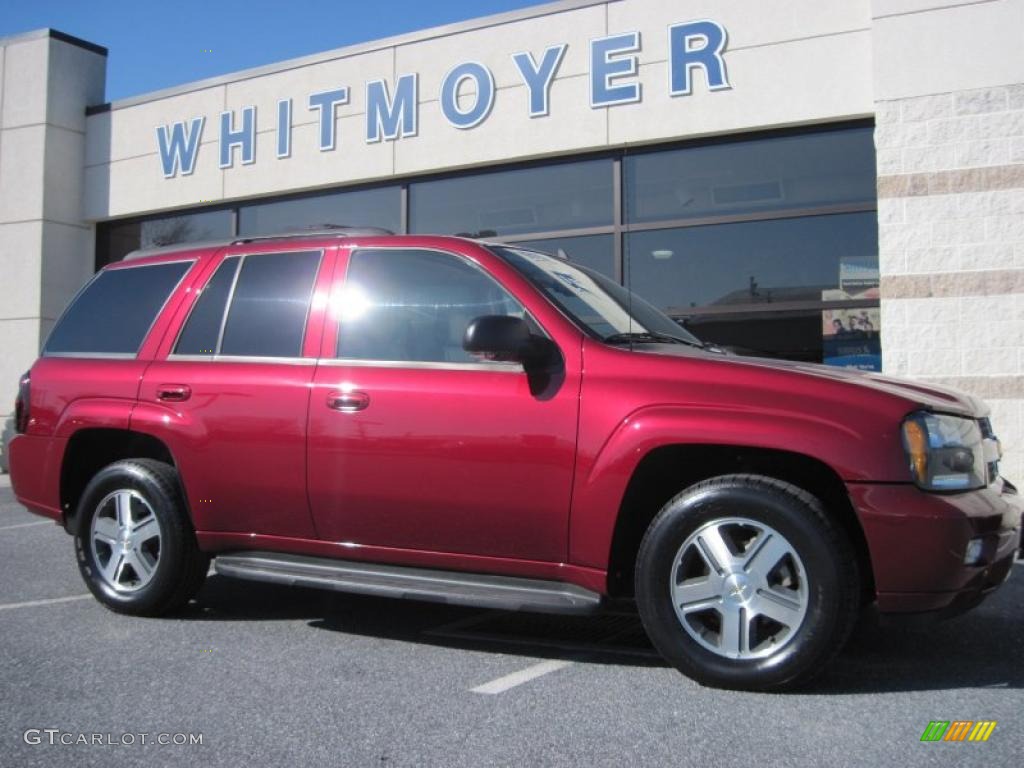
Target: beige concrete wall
x,y
806,65
949,77
46,247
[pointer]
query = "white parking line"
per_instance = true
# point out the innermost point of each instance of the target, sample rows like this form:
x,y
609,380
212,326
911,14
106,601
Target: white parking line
x,y
47,601
502,684
26,525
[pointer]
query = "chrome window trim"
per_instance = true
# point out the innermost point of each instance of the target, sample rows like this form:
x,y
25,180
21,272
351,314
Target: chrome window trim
x,y
425,365
119,355
94,355
241,359
227,303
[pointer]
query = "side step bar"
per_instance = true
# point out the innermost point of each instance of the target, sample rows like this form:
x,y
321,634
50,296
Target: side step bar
x,y
480,590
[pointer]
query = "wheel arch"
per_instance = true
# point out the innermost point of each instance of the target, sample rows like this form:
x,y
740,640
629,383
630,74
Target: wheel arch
x,y
668,469
90,449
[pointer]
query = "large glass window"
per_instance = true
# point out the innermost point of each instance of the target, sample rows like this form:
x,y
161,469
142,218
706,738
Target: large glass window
x,y
270,303
414,305
741,177
114,312
594,251
756,262
115,240
762,286
363,208
775,232
544,199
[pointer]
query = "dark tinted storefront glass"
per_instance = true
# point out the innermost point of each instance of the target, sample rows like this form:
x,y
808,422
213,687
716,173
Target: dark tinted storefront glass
x,y
267,316
115,311
116,240
757,262
565,196
594,251
771,174
790,335
363,208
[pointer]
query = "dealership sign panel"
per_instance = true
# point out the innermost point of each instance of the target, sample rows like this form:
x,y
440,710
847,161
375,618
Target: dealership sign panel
x,y
466,96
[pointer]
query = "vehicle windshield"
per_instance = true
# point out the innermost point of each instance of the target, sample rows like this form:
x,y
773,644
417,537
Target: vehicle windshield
x,y
595,302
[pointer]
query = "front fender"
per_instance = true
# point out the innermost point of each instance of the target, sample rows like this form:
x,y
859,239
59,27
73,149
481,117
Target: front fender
x,y
602,478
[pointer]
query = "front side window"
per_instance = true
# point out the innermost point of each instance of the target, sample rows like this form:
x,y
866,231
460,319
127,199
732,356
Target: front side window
x,y
115,311
414,305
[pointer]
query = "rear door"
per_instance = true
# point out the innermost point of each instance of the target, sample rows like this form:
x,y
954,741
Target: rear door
x,y
229,392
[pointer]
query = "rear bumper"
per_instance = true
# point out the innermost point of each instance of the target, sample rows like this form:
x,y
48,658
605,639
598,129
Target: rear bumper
x,y
918,540
31,462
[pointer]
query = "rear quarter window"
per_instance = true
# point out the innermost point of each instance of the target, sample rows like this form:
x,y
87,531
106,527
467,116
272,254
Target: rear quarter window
x,y
115,311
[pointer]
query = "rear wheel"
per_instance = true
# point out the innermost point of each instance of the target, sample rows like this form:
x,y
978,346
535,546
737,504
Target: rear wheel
x,y
743,582
135,545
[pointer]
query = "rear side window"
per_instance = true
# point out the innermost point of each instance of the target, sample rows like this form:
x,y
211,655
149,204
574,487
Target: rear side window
x,y
115,311
270,304
202,331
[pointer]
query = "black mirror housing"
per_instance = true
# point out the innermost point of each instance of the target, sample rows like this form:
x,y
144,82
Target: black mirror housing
x,y
499,337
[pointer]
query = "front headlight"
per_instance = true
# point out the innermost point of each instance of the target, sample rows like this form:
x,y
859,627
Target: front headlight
x,y
945,452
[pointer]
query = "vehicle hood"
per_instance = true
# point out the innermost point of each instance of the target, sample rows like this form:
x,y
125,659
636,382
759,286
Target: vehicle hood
x,y
927,396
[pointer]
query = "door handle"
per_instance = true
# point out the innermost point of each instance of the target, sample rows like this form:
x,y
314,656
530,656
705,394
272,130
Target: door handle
x,y
173,393
348,402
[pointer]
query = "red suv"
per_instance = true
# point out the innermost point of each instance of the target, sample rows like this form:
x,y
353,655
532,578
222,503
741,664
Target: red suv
x,y
451,420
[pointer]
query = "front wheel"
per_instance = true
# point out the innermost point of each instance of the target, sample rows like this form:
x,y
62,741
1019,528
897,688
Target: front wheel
x,y
134,541
743,582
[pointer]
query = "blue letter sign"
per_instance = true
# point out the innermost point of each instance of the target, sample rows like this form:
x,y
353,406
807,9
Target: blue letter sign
x,y
604,69
326,102
484,95
245,137
696,45
538,77
178,150
392,119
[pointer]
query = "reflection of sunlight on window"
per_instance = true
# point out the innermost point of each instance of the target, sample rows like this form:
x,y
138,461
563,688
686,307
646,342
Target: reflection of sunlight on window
x,y
350,304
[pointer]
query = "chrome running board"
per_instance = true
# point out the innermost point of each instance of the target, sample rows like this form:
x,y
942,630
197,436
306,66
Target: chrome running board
x,y
454,587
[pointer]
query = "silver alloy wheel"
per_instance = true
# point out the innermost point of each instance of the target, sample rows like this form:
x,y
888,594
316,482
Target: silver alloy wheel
x,y
739,588
125,540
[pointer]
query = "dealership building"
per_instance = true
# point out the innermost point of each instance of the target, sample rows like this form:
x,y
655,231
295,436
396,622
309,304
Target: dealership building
x,y
836,181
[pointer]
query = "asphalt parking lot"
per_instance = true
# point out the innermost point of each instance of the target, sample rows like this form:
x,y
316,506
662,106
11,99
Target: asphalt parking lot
x,y
275,676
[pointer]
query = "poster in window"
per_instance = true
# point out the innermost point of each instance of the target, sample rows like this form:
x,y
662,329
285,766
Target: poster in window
x,y
851,337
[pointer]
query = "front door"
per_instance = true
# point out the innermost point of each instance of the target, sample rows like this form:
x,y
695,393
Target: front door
x,y
414,444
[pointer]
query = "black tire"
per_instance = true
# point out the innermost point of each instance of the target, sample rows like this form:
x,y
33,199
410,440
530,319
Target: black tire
x,y
831,599
180,568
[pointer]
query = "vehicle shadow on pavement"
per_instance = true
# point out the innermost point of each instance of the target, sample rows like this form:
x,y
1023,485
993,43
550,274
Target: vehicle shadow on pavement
x,y
979,649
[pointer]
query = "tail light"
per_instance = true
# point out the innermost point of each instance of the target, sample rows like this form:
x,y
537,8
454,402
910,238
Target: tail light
x,y
21,406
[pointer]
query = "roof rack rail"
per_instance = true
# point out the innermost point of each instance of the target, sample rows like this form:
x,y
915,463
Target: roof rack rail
x,y
318,230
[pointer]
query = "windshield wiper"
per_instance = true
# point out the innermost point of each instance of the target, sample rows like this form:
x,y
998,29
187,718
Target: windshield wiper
x,y
651,338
